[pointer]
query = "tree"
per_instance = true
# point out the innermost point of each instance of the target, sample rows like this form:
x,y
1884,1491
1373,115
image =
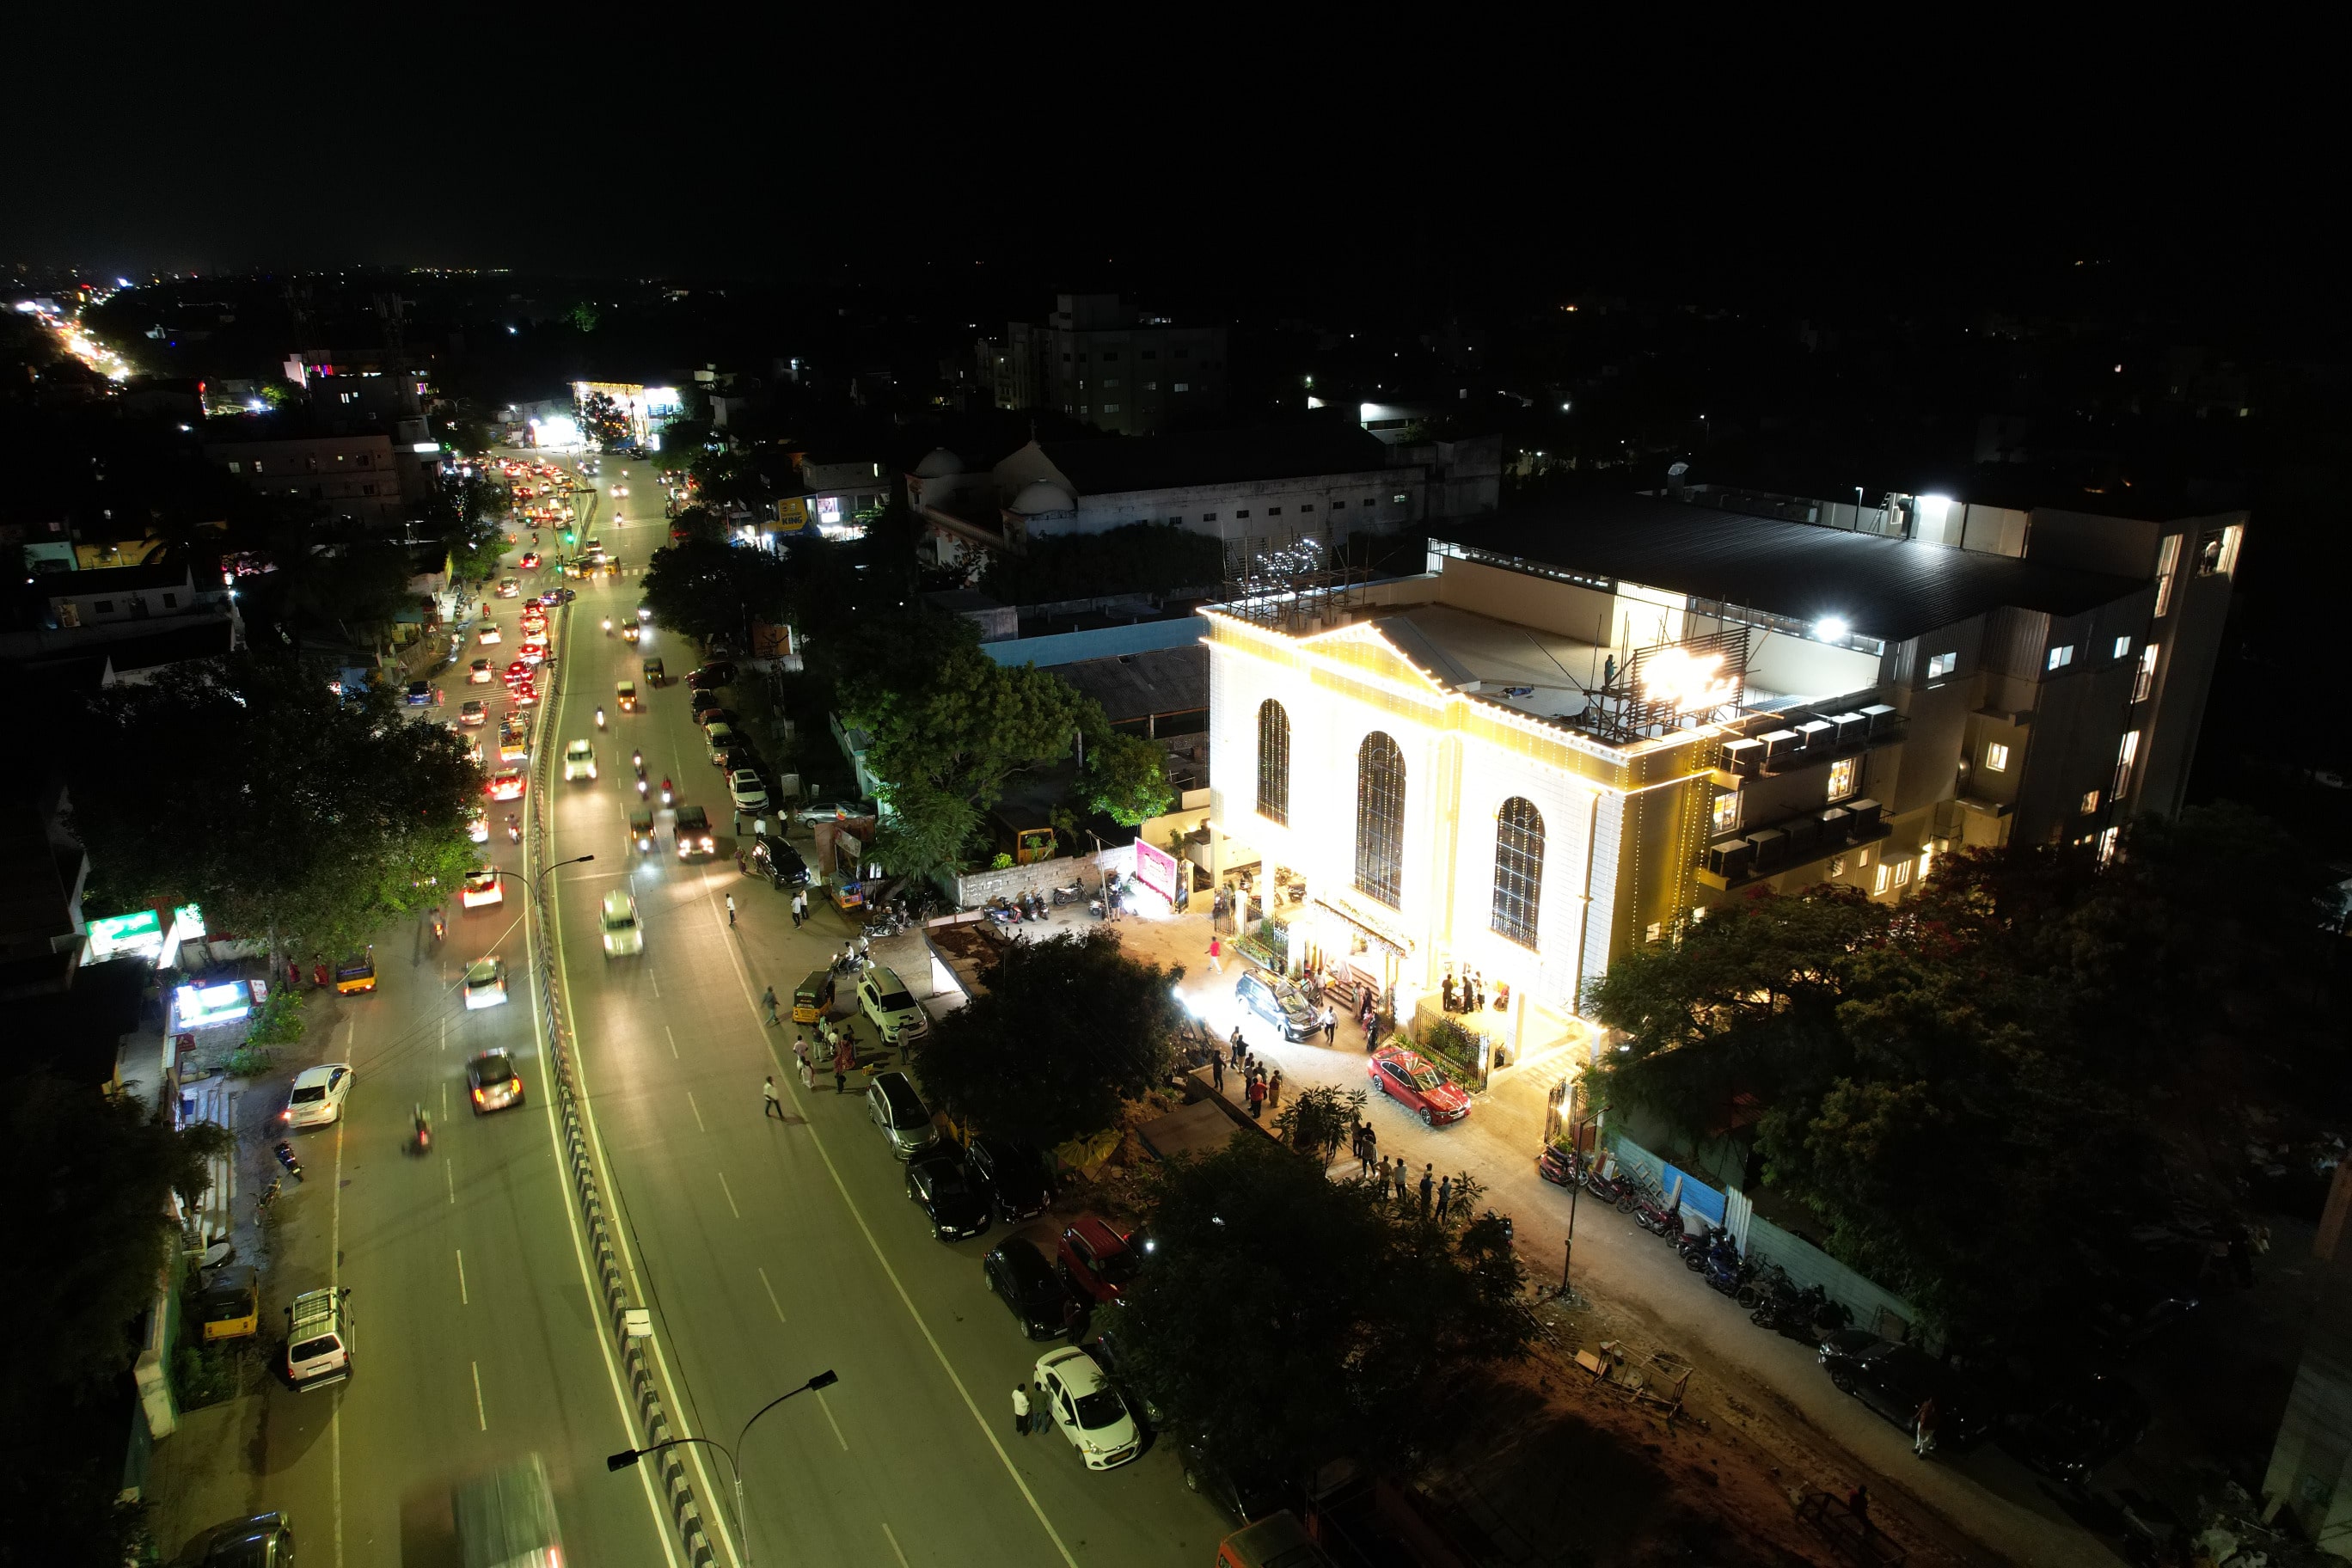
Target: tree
x,y
706,589
682,442
1370,1311
1126,778
600,419
1980,1093
296,816
925,832
1317,1119
94,1175
1068,1030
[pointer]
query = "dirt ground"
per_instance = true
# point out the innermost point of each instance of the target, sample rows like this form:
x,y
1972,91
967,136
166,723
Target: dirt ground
x,y
1551,1464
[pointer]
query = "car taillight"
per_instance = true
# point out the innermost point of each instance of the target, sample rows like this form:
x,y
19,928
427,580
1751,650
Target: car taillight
x,y
287,1114
477,1097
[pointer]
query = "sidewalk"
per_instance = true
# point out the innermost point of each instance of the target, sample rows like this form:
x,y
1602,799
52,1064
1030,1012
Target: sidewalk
x,y
1983,1495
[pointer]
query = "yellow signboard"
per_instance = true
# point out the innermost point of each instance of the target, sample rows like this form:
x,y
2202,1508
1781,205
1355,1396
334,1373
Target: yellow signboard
x,y
792,514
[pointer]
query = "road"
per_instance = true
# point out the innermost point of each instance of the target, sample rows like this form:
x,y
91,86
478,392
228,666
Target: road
x,y
772,1251
475,1336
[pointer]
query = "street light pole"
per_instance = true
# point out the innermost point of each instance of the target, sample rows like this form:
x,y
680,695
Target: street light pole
x,y
629,1456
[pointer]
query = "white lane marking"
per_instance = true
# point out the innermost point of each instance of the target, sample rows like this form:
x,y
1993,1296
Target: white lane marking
x,y
445,1033
673,1042
731,1196
334,1282
663,1527
480,1413
463,1299
778,1306
445,1102
655,981
699,1127
894,1544
450,1174
987,1429
827,1406
351,1031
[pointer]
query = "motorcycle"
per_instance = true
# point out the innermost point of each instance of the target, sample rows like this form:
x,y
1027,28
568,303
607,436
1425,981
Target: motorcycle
x,y
637,761
423,1132
1069,895
1609,1190
642,787
1097,907
285,1153
1657,1218
608,626
514,829
1002,912
664,792
600,718
1727,1274
1561,1167
1712,1250
1035,908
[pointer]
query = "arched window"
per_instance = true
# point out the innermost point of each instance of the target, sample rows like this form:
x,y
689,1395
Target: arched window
x,y
1380,819
1273,762
1519,870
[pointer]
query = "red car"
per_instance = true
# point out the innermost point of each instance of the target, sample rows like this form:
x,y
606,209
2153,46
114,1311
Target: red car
x,y
1097,1260
525,695
1402,1075
516,672
505,785
530,559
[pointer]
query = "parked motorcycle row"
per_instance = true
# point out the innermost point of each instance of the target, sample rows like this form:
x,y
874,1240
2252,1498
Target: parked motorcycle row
x,y
1771,1299
1107,902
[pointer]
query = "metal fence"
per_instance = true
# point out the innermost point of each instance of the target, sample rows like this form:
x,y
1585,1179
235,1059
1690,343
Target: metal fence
x,y
685,1511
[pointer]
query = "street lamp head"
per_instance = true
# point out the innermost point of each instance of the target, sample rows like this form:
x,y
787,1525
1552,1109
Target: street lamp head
x,y
825,1379
625,1459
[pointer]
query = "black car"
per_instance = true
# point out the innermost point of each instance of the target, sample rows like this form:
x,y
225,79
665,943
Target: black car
x,y
1278,1002
260,1541
735,757
1897,1380
779,862
711,678
1245,1495
2085,1422
1026,1283
1011,1176
937,1181
1110,1350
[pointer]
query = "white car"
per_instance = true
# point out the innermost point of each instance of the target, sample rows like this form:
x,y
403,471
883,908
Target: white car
x,y
883,998
477,826
483,886
510,589
579,760
1088,1410
623,934
749,793
473,713
721,737
486,983
489,636
318,1096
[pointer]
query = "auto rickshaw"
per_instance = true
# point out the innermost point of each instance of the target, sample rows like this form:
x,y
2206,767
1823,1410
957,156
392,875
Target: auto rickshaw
x,y
229,1306
653,672
808,996
356,972
625,693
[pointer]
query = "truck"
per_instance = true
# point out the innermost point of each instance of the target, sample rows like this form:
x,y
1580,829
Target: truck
x,y
694,832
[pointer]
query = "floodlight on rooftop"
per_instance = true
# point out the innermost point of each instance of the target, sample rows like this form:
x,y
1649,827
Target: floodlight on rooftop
x,y
1831,628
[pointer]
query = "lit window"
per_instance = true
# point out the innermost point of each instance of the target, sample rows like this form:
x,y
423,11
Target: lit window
x,y
1996,757
2107,845
1399,498
1941,665
1110,409
2089,801
1150,386
1902,872
1380,819
1726,812
1183,385
2125,753
1273,762
2168,560
2145,682
1518,871
1843,774
1837,866
1880,886
2123,647
1657,931
2062,656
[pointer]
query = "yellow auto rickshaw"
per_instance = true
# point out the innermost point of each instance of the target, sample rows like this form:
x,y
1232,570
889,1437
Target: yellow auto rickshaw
x,y
808,997
229,1306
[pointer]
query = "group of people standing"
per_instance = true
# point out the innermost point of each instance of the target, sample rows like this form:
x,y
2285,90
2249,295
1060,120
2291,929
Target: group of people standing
x,y
1261,1090
1466,996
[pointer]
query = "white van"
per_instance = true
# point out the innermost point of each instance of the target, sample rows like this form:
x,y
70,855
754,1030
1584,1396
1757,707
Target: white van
x,y
623,934
318,1339
893,1008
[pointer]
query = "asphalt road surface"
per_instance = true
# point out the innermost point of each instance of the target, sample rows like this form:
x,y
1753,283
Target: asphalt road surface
x,y
769,1250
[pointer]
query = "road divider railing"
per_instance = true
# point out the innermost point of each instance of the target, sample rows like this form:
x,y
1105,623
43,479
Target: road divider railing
x,y
677,1488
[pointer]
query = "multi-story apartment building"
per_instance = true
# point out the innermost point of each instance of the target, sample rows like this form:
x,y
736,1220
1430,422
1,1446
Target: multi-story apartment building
x,y
356,476
1587,723
1102,364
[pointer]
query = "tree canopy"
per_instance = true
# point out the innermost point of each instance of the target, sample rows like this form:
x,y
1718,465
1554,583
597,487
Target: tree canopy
x,y
1364,1310
1069,1029
704,588
293,814
1981,1091
600,418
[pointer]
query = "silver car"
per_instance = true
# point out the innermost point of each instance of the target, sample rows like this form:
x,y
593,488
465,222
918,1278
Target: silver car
x,y
901,1114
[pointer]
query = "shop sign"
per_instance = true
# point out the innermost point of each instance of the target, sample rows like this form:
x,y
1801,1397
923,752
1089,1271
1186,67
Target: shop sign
x,y
193,1007
141,933
792,514
1156,869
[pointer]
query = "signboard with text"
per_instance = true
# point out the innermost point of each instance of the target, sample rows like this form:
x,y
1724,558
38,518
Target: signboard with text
x,y
1156,869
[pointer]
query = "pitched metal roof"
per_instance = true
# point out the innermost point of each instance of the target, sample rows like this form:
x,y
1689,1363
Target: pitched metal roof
x,y
1887,588
1117,464
1144,684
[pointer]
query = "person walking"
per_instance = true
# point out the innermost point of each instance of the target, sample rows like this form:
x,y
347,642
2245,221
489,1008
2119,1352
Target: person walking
x,y
1216,952
1235,1047
1372,1034
769,1002
843,1056
1020,1410
743,866
1858,1504
796,911
1330,1026
1445,1195
1372,1142
775,1106
1217,1073
1923,1427
730,909
1428,1180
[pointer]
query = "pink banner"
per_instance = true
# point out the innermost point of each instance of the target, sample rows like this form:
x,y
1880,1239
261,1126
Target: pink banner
x,y
1156,869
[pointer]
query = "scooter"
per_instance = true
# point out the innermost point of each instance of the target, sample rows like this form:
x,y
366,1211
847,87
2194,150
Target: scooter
x,y
1608,1191
1658,1220
665,792
1034,907
285,1153
642,787
600,718
423,1132
637,761
1559,1166
514,829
